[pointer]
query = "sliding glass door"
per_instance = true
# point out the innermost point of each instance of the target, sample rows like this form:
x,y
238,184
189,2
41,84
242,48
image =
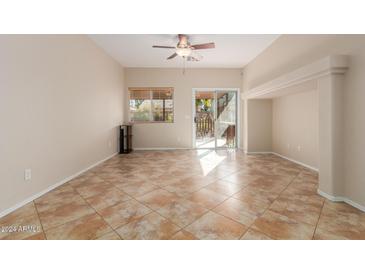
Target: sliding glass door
x,y
215,118
226,115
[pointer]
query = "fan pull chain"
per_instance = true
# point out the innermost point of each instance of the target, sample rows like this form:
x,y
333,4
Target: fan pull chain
x,y
184,58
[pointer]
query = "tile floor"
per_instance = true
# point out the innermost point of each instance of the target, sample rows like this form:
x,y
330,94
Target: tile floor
x,y
187,194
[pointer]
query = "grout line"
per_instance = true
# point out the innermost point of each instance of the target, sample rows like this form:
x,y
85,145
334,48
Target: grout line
x,y
101,218
66,184
228,197
36,209
211,209
101,215
152,211
271,205
182,228
232,197
96,213
140,202
319,216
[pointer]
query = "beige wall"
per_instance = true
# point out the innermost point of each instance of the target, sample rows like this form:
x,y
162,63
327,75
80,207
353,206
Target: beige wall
x,y
289,52
259,125
179,133
295,127
60,103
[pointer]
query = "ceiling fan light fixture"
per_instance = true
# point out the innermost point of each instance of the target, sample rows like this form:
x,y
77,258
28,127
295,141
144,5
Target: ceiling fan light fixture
x,y
183,52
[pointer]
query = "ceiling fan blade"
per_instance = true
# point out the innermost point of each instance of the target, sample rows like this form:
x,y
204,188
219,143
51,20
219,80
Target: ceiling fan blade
x,y
204,46
172,56
163,47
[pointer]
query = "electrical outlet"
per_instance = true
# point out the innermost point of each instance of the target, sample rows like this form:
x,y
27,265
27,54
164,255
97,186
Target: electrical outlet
x,y
299,148
27,174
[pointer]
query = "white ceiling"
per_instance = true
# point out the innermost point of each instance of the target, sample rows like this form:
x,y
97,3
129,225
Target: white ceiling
x,y
231,50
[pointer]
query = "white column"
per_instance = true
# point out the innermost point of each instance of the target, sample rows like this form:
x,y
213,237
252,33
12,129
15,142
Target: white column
x,y
244,123
331,173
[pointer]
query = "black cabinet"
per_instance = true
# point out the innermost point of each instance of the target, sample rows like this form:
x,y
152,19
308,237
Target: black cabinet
x,y
125,139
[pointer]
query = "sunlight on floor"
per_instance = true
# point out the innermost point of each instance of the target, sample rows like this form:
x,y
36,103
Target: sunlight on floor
x,y
210,143
209,160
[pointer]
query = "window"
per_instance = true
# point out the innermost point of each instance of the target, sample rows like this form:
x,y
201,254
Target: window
x,y
151,105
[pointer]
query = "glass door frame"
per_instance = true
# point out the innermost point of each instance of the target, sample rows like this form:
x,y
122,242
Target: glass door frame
x,y
238,115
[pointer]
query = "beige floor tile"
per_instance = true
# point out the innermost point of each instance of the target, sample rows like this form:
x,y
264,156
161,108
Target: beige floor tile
x,y
252,205
236,210
124,213
278,226
224,187
326,235
57,197
342,207
110,197
189,185
149,227
182,212
306,198
19,214
63,212
241,178
109,236
269,184
301,188
158,198
198,180
38,236
87,191
167,179
183,235
307,177
218,173
207,198
342,220
286,171
86,228
250,193
139,188
212,226
252,234
276,197
304,211
85,180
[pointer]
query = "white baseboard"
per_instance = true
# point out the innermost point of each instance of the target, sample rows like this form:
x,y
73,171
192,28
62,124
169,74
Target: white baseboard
x,y
39,194
282,156
340,199
174,148
258,152
161,148
295,161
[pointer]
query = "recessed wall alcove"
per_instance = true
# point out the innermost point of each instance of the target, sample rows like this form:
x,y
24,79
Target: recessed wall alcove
x,y
326,76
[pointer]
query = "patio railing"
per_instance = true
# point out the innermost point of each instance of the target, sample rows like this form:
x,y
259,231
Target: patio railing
x,y
204,124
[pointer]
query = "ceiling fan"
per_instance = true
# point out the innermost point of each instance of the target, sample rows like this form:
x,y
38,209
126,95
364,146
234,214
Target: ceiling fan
x,y
186,50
